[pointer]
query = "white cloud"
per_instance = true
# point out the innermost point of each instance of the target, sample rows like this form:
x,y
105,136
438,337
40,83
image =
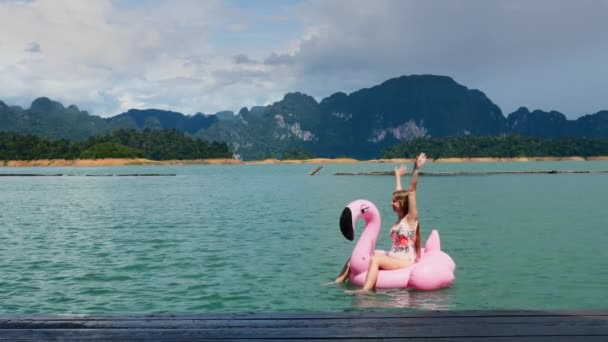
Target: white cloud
x,y
242,58
189,56
108,57
278,59
481,44
33,48
237,27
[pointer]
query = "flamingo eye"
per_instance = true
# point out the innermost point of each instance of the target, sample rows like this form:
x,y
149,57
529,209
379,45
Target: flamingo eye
x,y
364,210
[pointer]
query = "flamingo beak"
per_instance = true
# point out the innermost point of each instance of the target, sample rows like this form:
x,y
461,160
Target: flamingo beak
x,y
346,224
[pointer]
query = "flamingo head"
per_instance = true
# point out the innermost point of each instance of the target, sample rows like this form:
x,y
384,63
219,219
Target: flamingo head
x,y
355,210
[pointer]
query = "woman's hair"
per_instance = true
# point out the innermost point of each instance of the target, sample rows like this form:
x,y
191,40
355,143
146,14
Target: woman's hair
x,y
401,196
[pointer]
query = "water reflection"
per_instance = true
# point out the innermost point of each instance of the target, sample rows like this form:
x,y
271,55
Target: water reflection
x,y
399,298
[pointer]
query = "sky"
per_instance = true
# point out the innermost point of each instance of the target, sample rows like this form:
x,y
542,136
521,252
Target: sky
x,y
205,56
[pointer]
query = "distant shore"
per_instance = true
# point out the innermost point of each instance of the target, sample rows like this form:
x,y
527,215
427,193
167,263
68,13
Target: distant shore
x,y
228,161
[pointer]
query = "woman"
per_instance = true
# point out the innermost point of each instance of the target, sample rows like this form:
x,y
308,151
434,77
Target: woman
x,y
405,233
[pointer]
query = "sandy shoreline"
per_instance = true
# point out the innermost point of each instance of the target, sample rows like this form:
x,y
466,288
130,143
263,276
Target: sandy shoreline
x,y
140,161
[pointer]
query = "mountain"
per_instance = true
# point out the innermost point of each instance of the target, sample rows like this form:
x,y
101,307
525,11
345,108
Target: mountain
x,y
51,119
554,124
361,124
226,115
162,119
539,123
592,125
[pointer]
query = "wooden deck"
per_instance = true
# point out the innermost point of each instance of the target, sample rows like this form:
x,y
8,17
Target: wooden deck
x,y
396,326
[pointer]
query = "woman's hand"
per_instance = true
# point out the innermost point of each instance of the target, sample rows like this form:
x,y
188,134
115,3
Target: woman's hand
x,y
420,160
400,171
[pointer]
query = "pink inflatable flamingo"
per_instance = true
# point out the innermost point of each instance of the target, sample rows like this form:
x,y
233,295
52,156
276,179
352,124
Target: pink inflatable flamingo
x,y
434,270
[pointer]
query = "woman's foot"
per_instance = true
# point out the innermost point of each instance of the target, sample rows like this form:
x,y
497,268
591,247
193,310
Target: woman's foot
x,y
357,291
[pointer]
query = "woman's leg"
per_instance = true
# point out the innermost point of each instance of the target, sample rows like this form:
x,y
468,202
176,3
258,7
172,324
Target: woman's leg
x,y
382,262
344,273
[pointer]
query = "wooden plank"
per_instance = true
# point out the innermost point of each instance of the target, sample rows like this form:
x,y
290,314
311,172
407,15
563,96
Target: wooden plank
x,y
309,315
469,331
51,337
326,329
312,173
345,323
464,325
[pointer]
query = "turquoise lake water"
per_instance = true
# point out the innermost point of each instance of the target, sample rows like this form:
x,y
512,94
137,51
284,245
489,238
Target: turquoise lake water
x,y
263,238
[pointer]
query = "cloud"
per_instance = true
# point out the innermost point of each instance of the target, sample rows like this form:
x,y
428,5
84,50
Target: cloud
x,y
237,27
33,48
192,56
110,56
242,59
518,52
278,59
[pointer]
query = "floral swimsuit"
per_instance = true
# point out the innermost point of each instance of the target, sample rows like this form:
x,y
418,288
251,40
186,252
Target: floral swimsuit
x,y
404,238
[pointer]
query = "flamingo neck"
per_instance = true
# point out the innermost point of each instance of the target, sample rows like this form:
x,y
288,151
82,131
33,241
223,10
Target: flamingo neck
x,y
366,245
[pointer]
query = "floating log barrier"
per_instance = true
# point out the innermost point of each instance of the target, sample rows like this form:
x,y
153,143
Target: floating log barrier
x,y
29,175
102,175
315,170
463,173
134,175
